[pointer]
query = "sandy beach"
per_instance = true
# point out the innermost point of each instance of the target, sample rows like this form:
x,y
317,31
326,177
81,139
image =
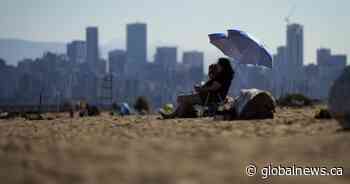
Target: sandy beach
x,y
144,149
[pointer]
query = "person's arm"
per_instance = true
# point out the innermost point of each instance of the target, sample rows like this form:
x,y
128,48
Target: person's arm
x,y
213,87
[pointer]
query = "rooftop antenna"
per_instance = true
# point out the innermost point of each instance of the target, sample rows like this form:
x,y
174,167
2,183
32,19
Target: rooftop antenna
x,y
291,11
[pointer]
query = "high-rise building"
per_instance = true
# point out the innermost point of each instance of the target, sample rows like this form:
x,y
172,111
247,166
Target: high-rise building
x,y
295,45
92,47
279,60
330,68
312,81
194,61
117,59
339,60
280,72
323,56
136,43
295,56
166,57
76,51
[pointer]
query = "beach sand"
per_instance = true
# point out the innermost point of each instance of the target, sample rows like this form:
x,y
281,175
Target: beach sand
x,y
144,149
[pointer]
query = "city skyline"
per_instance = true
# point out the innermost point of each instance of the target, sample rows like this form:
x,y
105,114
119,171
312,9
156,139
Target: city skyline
x,y
177,27
87,78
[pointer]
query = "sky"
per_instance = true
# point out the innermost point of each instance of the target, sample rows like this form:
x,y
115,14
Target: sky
x,y
182,23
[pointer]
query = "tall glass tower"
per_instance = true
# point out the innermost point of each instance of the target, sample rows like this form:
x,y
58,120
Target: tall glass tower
x,y
136,43
295,56
92,47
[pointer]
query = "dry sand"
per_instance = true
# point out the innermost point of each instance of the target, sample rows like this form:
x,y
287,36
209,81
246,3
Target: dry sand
x,y
101,150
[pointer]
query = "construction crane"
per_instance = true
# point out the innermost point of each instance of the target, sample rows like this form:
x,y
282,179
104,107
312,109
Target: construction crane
x,y
289,15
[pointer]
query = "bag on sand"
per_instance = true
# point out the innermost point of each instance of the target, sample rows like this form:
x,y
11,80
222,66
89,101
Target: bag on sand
x,y
254,104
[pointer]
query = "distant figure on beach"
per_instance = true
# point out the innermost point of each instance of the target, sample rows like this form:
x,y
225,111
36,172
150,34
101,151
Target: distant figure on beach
x,y
213,91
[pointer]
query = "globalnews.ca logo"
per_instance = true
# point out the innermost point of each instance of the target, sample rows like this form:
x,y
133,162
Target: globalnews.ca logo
x,y
294,170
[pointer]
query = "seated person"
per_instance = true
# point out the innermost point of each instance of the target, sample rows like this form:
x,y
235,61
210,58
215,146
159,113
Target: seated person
x,y
215,90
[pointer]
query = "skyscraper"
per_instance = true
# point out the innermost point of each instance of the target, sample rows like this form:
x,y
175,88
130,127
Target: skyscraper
x,y
339,60
166,57
323,56
194,61
136,43
280,72
279,60
295,45
117,59
295,56
330,67
76,51
92,47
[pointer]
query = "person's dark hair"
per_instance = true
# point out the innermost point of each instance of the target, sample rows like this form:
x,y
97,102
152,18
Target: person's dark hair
x,y
212,71
228,71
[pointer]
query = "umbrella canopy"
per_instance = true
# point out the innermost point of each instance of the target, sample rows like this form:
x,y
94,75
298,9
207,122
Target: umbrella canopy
x,y
242,47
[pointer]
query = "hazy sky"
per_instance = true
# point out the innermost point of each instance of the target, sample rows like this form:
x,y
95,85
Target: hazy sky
x,y
184,23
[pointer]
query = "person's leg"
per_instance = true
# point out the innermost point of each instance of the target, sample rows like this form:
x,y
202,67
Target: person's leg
x,y
185,107
185,110
190,99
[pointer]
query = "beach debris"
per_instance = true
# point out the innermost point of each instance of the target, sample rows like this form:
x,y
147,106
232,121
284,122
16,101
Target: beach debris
x,y
339,99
